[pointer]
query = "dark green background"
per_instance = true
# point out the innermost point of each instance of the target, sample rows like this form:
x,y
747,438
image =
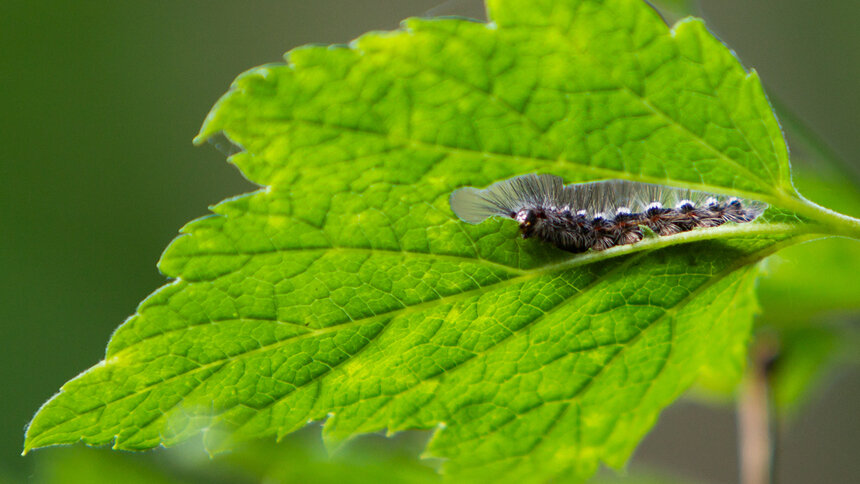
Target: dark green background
x,y
100,100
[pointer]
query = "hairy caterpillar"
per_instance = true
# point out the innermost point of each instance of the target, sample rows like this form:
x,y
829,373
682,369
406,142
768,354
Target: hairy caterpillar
x,y
598,215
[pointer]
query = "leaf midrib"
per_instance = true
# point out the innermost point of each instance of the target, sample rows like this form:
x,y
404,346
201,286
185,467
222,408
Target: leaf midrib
x,y
570,263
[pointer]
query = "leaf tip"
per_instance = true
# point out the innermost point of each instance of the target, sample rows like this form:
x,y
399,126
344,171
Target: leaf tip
x,y
684,25
199,139
209,128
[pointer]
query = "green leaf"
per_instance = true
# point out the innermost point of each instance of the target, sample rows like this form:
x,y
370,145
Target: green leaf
x,y
346,289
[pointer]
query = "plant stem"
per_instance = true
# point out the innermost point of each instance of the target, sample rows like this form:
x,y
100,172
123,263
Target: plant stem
x,y
833,223
756,445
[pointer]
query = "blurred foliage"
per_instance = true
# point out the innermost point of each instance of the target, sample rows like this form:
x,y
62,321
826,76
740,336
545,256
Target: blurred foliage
x,y
84,465
805,353
300,458
640,476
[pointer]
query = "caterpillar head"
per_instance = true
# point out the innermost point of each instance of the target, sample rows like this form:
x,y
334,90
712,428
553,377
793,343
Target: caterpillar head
x,y
528,220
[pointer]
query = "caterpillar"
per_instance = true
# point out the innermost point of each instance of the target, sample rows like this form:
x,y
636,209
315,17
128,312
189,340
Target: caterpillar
x,y
598,215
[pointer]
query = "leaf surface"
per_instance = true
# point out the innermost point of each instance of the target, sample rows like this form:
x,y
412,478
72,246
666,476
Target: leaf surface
x,y
347,290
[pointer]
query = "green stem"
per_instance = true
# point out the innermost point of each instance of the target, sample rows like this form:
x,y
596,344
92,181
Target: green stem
x,y
832,223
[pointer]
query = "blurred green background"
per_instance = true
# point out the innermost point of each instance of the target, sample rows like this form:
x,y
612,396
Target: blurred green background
x,y
99,103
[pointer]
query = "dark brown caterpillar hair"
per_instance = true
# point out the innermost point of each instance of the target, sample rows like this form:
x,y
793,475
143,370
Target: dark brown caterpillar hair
x,y
598,215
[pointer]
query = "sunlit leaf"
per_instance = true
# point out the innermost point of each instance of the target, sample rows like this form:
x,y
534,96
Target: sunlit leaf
x,y
346,289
